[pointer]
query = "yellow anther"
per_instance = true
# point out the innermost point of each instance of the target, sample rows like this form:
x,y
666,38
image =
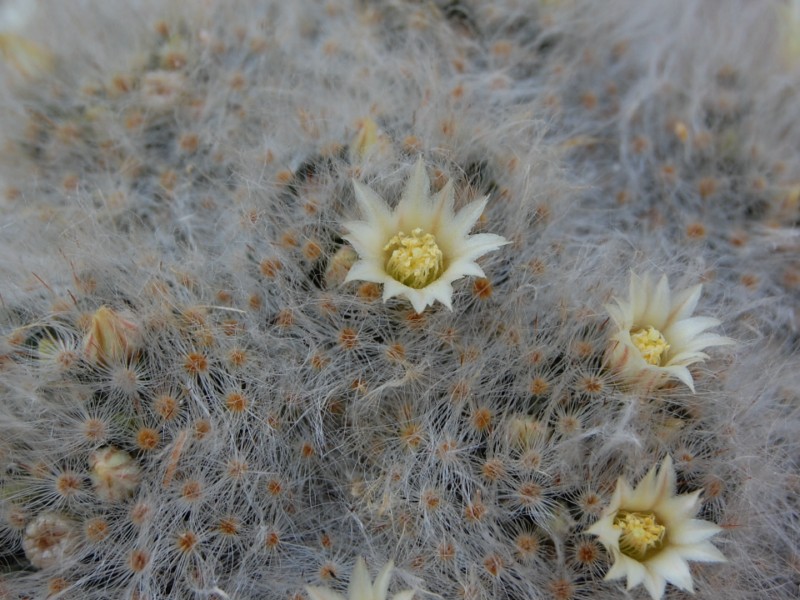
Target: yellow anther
x,y
651,343
641,533
414,260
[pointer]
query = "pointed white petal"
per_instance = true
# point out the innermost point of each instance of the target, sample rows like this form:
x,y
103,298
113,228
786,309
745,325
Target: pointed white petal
x,y
635,571
479,244
404,595
645,495
658,305
364,270
684,359
415,198
392,288
606,532
319,593
705,340
654,584
682,373
360,587
367,239
665,482
462,268
684,303
373,207
639,296
693,531
669,565
682,332
442,216
442,291
702,552
381,586
625,567
677,510
466,218
418,300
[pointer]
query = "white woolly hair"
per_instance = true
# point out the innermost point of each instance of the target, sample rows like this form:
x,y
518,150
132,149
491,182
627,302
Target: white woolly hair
x,y
190,165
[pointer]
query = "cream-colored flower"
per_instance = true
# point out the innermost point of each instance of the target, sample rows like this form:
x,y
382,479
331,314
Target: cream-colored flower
x,y
421,247
360,587
656,337
650,533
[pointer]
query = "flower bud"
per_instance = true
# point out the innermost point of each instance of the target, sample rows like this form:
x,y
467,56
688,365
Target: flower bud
x,y
115,474
111,337
48,539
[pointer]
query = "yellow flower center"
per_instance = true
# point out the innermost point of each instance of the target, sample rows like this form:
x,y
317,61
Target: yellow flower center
x,y
651,343
641,533
414,260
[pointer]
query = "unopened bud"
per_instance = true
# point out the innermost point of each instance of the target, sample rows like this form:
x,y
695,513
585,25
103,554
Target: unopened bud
x,y
111,337
115,474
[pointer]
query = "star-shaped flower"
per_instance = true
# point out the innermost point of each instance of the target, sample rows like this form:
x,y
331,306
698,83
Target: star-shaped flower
x,y
656,337
422,246
650,533
360,587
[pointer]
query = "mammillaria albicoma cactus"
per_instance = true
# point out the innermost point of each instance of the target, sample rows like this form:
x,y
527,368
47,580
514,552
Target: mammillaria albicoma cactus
x,y
203,394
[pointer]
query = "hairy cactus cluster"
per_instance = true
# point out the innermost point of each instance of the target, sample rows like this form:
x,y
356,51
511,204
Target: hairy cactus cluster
x,y
495,300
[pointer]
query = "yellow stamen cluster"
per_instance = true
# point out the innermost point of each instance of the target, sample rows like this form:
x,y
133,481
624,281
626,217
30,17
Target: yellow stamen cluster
x,y
651,343
414,260
641,533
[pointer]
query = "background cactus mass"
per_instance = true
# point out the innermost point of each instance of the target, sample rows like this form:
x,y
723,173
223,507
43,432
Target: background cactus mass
x,y
194,405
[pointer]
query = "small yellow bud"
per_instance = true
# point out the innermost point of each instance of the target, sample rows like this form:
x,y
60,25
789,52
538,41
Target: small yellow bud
x,y
28,58
110,338
339,266
115,475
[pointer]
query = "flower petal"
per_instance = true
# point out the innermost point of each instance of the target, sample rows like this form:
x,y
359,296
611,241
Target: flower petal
x,y
466,218
404,595
684,303
413,203
639,296
360,586
364,270
681,333
479,244
676,510
442,291
682,373
443,201
654,584
461,268
693,531
381,585
670,565
320,593
658,306
392,288
606,532
373,207
702,552
367,239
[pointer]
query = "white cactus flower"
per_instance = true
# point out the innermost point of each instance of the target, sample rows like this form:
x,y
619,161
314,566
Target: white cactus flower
x,y
656,337
650,533
360,587
421,247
